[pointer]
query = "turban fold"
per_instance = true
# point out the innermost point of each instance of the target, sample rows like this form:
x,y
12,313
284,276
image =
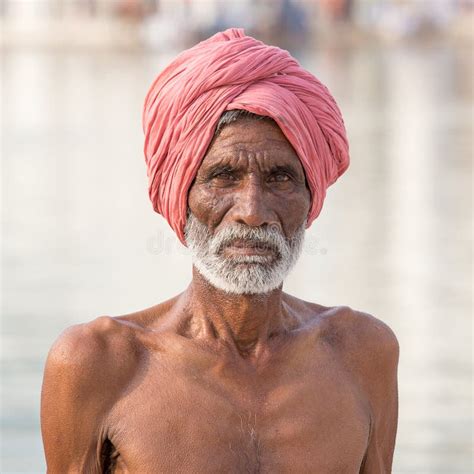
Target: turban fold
x,y
233,71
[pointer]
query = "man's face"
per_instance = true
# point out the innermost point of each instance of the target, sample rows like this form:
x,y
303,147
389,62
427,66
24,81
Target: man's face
x,y
248,207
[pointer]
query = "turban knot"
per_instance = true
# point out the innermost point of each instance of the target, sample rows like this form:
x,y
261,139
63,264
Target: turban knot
x,y
233,71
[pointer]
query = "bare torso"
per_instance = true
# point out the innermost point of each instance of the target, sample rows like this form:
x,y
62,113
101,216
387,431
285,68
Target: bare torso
x,y
156,395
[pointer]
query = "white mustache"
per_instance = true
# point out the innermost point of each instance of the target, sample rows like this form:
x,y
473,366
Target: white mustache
x,y
262,238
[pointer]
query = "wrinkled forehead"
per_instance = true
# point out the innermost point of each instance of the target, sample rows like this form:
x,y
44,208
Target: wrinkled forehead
x,y
249,141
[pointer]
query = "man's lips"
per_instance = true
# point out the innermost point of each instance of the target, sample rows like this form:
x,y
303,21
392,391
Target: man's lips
x,y
249,247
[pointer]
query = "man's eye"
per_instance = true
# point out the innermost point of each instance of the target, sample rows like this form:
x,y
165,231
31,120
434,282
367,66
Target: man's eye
x,y
280,177
224,175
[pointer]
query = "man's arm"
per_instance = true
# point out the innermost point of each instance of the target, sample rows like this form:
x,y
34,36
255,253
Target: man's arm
x,y
380,373
79,388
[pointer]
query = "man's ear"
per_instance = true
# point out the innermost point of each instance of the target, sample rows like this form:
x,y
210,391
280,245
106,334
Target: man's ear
x,y
306,221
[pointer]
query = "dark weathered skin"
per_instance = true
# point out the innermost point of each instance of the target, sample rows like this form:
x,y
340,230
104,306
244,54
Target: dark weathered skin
x,y
209,382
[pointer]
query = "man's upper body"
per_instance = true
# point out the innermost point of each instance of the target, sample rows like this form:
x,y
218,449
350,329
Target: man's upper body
x,y
164,391
233,375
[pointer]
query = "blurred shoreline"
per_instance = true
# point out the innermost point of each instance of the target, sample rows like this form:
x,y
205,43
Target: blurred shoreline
x,y
122,28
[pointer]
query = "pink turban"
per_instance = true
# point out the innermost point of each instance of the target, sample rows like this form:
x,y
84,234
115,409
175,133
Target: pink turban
x,y
233,71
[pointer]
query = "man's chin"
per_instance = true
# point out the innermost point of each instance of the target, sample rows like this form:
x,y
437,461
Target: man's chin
x,y
242,278
251,288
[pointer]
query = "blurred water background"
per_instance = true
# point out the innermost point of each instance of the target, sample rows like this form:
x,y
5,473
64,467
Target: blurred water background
x,y
79,237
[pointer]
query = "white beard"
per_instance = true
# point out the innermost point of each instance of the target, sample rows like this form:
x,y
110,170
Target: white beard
x,y
243,274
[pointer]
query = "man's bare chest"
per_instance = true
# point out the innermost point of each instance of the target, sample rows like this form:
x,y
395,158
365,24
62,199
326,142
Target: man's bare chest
x,y
306,418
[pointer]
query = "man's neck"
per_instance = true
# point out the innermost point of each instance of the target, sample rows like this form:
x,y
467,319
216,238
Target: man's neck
x,y
245,322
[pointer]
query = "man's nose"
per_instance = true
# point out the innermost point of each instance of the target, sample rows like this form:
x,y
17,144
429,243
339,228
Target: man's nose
x,y
252,207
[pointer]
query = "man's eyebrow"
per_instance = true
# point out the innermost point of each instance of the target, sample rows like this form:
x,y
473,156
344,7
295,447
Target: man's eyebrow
x,y
274,167
285,168
218,168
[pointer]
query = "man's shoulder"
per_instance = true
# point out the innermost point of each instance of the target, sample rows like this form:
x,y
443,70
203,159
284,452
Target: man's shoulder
x,y
86,339
88,351
90,341
359,325
353,332
367,344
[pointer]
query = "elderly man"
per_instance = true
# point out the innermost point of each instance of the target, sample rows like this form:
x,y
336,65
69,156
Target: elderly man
x,y
233,375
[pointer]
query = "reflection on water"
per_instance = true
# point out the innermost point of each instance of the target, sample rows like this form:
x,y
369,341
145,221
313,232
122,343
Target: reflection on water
x,y
81,240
